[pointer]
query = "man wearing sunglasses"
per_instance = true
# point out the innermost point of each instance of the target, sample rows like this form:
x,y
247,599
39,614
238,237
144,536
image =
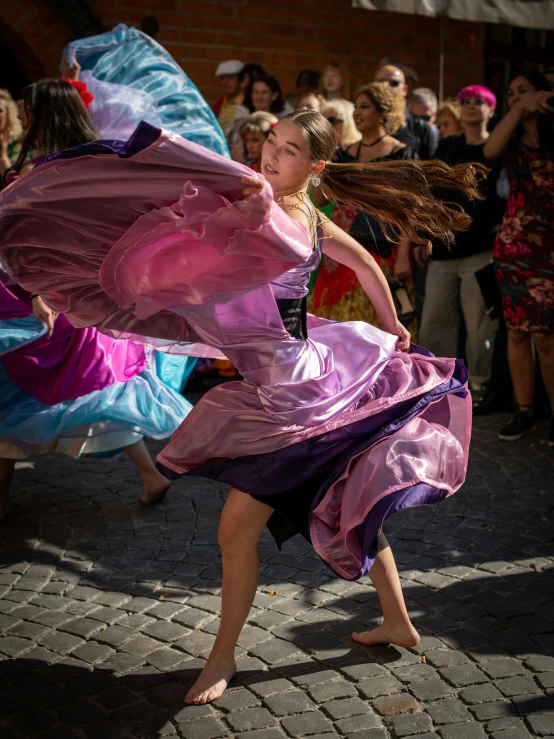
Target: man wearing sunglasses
x,y
418,133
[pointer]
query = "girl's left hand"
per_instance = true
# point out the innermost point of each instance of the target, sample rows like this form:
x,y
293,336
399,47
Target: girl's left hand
x,y
45,315
71,71
252,186
403,343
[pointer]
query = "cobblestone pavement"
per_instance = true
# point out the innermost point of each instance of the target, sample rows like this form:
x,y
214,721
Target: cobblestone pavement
x,y
109,609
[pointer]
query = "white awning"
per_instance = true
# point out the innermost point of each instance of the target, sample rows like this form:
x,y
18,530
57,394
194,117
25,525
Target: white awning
x,y
522,13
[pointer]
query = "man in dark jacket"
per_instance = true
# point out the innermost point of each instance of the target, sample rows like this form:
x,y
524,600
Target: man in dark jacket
x,y
417,134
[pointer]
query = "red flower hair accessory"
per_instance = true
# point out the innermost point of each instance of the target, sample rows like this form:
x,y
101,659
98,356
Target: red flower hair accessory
x,y
86,96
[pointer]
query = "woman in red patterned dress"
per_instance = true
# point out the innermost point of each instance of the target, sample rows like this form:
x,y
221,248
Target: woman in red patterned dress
x,y
524,248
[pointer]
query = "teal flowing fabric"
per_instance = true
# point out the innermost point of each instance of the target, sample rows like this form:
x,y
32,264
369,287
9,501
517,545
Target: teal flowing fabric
x,y
130,59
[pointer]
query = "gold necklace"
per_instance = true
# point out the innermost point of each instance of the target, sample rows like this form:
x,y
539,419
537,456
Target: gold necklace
x,y
304,205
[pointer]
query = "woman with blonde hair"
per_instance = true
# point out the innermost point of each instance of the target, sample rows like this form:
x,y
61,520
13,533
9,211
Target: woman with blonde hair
x,y
10,131
449,118
340,114
338,295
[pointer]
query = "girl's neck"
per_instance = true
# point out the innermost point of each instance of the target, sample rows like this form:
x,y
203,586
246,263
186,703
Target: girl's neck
x,y
300,188
335,95
476,133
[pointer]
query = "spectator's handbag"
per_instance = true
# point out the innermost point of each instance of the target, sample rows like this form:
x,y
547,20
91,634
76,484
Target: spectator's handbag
x,y
486,279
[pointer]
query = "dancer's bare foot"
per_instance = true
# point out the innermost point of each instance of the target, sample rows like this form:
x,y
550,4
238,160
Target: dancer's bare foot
x,y
401,636
214,678
155,490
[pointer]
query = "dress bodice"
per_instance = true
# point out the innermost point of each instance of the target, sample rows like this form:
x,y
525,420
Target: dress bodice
x,y
294,283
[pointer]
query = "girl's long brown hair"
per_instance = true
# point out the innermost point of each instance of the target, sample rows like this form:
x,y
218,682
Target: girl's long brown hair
x,y
57,118
400,194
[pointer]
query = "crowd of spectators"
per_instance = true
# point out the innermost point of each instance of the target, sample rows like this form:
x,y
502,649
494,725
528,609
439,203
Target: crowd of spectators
x,y
487,298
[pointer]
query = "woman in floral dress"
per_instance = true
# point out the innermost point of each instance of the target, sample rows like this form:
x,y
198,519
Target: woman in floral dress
x,y
524,248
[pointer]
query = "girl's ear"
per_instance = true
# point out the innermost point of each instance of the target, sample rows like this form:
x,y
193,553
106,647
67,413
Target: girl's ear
x,y
318,167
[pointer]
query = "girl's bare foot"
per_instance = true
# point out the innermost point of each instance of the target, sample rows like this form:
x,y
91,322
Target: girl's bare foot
x,y
213,680
401,636
155,490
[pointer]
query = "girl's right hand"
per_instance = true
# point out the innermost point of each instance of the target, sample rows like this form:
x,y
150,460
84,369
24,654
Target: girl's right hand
x,y
44,314
252,186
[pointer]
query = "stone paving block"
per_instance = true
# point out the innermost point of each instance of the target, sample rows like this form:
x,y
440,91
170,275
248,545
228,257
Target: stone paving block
x,y
106,729
28,630
93,652
165,659
138,605
262,734
415,723
287,704
141,645
517,686
343,708
112,599
83,593
196,643
193,617
520,733
137,712
210,603
58,696
463,675
500,668
463,730
546,679
120,664
114,636
332,690
267,683
354,724
496,709
165,631
445,658
527,705
480,694
252,718
52,618
392,705
114,697
414,673
306,724
166,693
235,700
541,724
381,685
206,728
274,651
316,676
430,690
427,735
107,615
540,663
84,627
448,711
13,646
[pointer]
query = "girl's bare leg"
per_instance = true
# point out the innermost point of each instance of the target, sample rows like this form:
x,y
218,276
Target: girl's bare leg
x,y
6,474
155,484
242,522
396,627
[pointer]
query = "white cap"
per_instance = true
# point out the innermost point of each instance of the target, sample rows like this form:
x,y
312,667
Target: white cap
x,y
231,66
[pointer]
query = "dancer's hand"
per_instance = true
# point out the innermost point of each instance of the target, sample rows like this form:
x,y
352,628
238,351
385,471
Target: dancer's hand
x,y
71,71
403,343
252,186
44,314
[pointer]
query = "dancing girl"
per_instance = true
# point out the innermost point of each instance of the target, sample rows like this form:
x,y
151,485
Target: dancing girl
x,y
335,426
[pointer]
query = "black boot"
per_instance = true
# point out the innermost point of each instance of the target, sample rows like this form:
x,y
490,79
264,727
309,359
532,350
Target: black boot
x,y
522,423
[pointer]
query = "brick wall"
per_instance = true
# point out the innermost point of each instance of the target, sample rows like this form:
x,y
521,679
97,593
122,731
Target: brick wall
x,y
288,35
283,35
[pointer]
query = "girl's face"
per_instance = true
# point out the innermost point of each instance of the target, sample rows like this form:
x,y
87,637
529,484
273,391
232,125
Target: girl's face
x,y
366,116
262,97
308,102
286,159
253,143
448,125
332,80
3,115
518,87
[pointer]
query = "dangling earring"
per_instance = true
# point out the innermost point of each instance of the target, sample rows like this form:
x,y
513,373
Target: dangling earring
x,y
316,181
